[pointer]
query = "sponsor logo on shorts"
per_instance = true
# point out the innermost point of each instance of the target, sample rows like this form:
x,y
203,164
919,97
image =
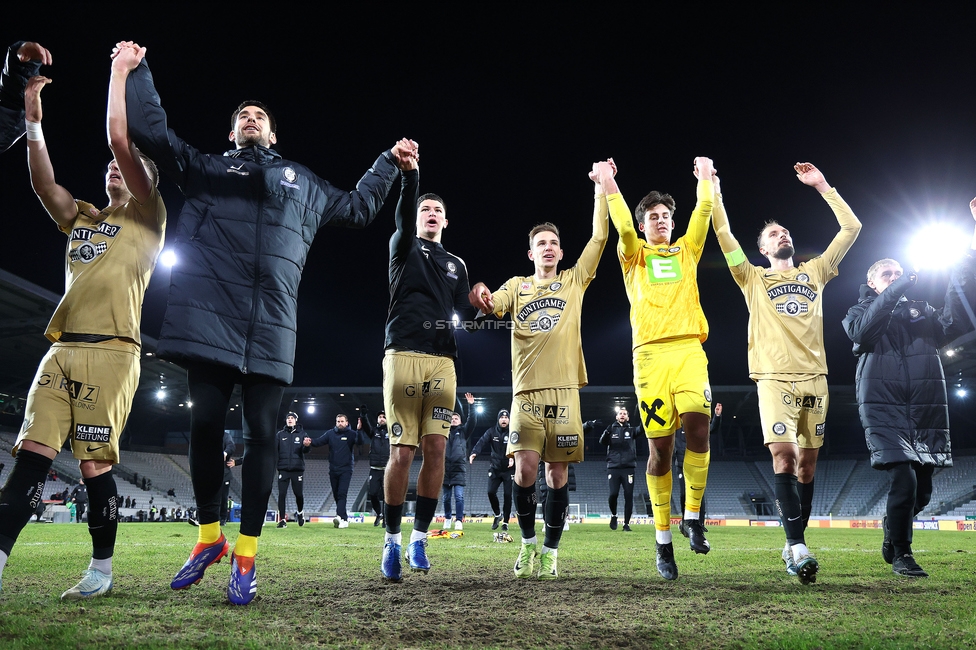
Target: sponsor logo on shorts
x,y
441,413
562,442
813,403
514,438
779,428
85,395
92,450
92,433
433,387
820,429
397,430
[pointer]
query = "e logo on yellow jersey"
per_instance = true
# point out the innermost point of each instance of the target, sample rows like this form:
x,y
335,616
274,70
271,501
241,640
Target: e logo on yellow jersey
x,y
663,269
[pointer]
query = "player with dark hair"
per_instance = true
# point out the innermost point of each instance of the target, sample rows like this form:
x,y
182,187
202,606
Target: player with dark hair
x,y
85,384
786,354
548,370
670,367
501,471
24,60
231,317
428,286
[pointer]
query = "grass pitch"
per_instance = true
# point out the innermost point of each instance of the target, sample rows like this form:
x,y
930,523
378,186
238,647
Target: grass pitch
x,y
319,587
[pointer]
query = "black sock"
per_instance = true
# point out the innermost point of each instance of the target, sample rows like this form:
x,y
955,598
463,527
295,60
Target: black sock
x,y
555,516
426,506
805,490
20,495
788,505
394,514
103,514
525,503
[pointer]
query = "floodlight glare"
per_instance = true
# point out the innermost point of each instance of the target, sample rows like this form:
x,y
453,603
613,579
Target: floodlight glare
x,y
479,409
167,258
160,394
310,409
938,246
950,353
960,392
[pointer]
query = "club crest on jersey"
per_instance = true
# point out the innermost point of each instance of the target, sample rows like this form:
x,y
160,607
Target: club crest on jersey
x,y
514,438
289,178
913,313
779,428
87,252
803,277
662,269
792,307
397,430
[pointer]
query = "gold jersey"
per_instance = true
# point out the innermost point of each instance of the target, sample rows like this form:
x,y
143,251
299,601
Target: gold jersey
x,y
110,256
662,280
786,307
547,348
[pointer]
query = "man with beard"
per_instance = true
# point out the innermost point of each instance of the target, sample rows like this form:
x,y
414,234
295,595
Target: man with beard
x,y
786,354
620,440
85,384
24,60
502,468
341,441
231,317
379,456
455,470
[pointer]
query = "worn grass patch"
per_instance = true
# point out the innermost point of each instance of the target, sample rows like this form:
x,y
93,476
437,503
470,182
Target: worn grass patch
x,y
319,587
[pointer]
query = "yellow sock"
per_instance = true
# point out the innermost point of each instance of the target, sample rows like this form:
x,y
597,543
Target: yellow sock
x,y
659,488
247,546
208,533
696,475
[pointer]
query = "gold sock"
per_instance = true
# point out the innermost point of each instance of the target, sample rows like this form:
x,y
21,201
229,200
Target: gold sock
x,y
247,546
696,475
659,488
208,533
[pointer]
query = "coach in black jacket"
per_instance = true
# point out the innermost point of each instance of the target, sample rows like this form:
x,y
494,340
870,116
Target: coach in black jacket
x,y
243,236
901,390
24,60
620,440
502,470
341,441
379,456
455,464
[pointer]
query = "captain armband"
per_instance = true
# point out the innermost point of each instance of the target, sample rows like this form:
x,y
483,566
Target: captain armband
x,y
736,257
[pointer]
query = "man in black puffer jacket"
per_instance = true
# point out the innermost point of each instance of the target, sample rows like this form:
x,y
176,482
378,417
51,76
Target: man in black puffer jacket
x,y
243,236
901,390
455,464
292,448
379,456
502,470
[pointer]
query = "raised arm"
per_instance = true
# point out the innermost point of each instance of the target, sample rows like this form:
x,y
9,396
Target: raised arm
x,y
720,224
358,208
406,210
704,202
865,324
620,215
472,420
56,200
849,225
125,58
590,257
24,60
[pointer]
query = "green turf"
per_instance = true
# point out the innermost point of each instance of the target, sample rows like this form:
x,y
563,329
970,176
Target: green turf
x,y
319,587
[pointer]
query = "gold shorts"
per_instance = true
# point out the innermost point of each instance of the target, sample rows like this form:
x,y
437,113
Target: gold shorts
x,y
85,391
419,392
671,379
793,411
548,422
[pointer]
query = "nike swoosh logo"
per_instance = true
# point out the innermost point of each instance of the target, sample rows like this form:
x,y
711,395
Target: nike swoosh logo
x,y
445,426
571,452
793,519
89,448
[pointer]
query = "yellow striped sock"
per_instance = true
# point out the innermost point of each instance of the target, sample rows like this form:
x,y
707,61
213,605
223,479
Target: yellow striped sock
x,y
659,488
247,546
696,476
208,533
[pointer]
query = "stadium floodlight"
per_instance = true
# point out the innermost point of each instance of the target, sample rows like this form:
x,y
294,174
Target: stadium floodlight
x,y
167,258
479,409
938,246
960,392
160,394
310,409
950,353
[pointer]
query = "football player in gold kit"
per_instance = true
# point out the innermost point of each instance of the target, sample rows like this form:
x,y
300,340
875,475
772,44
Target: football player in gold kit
x,y
786,354
547,372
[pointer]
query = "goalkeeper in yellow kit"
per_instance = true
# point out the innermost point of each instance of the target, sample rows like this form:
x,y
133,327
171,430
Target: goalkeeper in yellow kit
x,y
670,368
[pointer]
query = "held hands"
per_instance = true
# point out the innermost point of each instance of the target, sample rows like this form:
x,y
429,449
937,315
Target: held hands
x,y
126,56
406,153
704,167
307,441
718,409
469,397
32,98
602,171
716,183
31,51
230,462
810,175
480,298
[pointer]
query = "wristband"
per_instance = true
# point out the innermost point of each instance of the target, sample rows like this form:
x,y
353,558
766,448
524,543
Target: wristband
x,y
34,132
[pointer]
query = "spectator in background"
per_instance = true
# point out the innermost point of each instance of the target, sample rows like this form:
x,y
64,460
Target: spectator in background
x,y
455,465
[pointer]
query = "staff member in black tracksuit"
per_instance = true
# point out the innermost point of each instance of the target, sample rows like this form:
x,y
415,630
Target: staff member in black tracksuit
x,y
619,439
502,470
341,440
455,469
292,447
379,456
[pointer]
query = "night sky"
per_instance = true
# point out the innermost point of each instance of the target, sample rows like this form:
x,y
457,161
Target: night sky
x,y
510,107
